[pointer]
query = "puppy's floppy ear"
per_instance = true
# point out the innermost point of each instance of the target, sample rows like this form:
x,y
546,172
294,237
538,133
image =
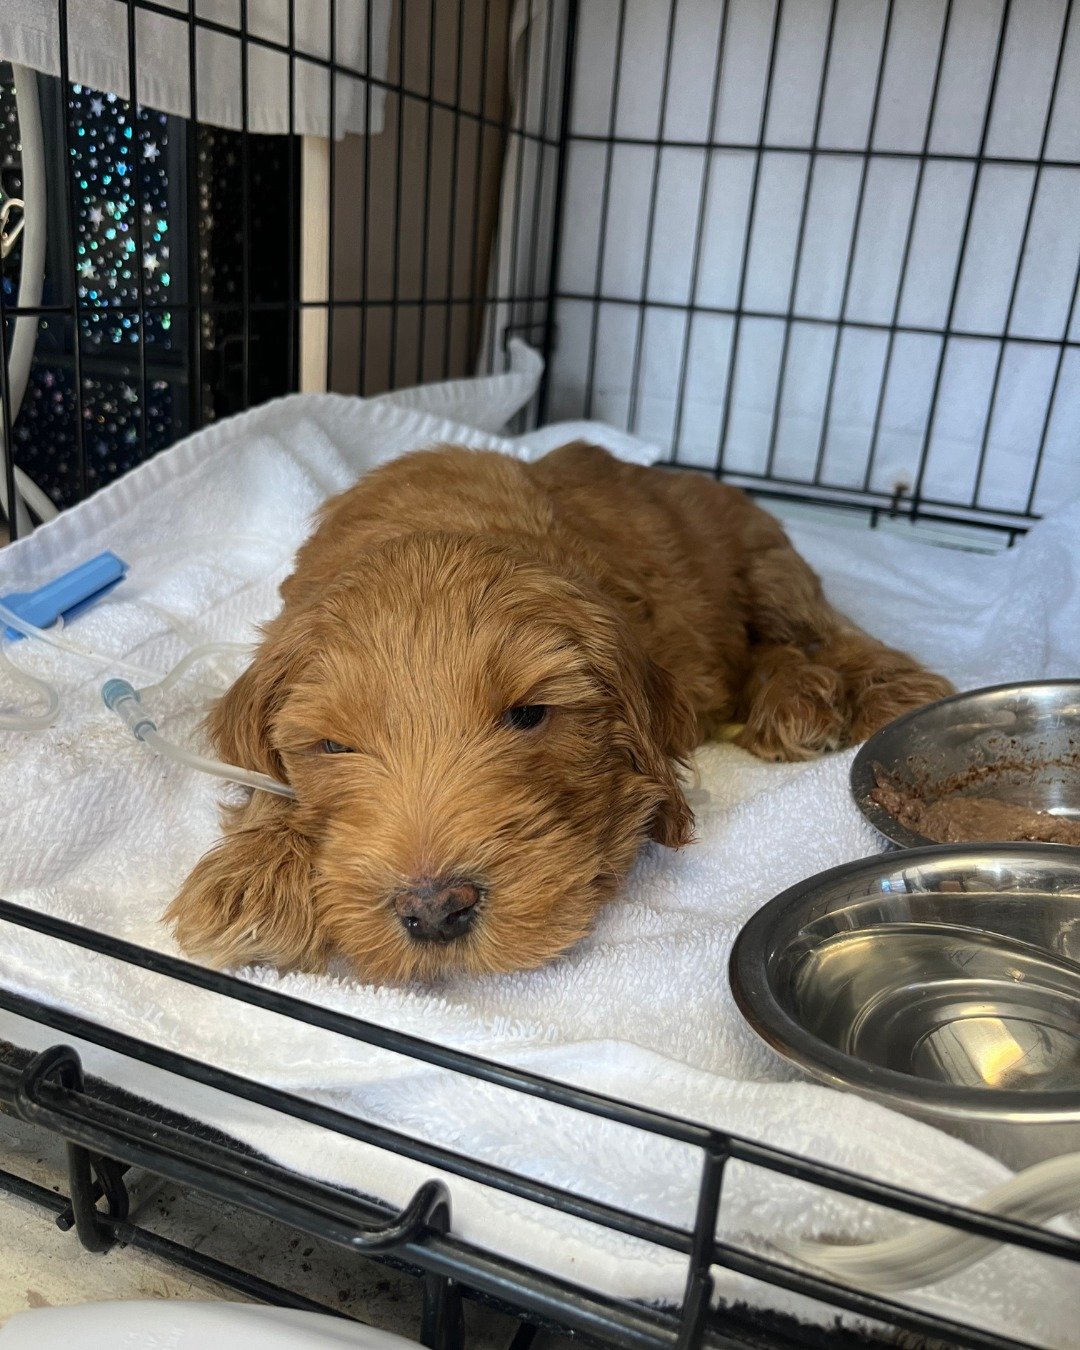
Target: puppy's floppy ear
x,y
659,725
241,722
664,733
250,898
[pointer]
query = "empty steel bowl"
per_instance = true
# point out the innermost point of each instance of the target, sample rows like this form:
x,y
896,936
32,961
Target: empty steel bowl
x,y
1017,743
942,981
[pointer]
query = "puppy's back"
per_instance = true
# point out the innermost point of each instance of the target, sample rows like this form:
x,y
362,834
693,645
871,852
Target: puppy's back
x,y
450,488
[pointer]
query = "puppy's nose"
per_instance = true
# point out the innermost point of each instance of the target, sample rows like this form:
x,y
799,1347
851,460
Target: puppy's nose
x,y
437,909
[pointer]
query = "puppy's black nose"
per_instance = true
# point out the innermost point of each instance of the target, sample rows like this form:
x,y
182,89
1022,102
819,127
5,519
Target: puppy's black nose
x,y
437,909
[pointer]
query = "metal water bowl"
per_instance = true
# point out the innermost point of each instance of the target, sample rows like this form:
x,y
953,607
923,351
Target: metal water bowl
x,y
941,981
1017,743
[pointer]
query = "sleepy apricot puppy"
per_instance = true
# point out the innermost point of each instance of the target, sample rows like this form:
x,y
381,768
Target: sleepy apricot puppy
x,y
481,685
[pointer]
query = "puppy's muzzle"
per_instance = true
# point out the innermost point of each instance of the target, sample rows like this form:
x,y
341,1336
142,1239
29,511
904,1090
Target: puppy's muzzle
x,y
437,909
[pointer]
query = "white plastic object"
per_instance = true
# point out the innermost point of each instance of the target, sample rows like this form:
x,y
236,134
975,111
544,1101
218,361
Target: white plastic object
x,y
930,1252
190,1326
31,276
9,233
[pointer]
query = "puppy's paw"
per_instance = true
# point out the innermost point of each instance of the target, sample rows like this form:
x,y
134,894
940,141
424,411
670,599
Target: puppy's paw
x,y
875,701
796,712
251,899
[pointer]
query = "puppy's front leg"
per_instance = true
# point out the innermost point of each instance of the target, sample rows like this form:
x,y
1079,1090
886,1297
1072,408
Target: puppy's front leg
x,y
251,897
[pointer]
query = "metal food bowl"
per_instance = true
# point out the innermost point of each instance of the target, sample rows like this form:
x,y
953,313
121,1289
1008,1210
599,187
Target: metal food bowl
x,y
1017,743
943,981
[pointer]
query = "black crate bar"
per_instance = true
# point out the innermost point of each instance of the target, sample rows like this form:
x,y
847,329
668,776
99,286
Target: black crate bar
x,y
475,285
365,247
1051,402
399,147
961,252
605,208
453,191
194,234
849,265
331,95
72,278
800,241
699,233
245,200
1021,252
650,225
518,121
565,107
6,419
740,312
425,228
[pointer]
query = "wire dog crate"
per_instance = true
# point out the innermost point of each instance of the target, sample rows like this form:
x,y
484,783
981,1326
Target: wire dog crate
x,y
826,249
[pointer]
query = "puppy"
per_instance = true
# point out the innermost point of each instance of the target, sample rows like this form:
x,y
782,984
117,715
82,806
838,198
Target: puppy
x,y
481,686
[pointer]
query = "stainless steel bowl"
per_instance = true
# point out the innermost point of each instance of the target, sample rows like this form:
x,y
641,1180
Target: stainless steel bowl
x,y
1019,743
942,981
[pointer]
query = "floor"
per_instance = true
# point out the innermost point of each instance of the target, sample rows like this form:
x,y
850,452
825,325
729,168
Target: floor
x,y
43,1266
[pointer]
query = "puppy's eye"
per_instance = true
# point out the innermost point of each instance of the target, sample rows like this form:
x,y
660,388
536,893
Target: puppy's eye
x,y
525,716
334,748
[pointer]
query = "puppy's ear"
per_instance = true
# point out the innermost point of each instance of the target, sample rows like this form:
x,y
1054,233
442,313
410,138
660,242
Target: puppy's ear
x,y
251,897
664,728
241,722
659,725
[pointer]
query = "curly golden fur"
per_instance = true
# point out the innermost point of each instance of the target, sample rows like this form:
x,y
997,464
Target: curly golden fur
x,y
481,686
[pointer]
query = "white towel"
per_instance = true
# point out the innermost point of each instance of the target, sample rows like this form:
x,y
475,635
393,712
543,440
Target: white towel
x,y
97,831
98,57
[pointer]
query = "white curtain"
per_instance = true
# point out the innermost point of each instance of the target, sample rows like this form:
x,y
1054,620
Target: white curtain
x,y
98,58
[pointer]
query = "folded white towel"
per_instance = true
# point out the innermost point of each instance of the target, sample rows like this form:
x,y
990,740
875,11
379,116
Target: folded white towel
x,y
97,831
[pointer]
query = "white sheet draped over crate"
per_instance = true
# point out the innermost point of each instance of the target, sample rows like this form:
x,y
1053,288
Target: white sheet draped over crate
x,y
97,831
98,58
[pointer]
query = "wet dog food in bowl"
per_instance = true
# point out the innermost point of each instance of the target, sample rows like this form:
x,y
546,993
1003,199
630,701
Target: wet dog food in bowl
x,y
991,766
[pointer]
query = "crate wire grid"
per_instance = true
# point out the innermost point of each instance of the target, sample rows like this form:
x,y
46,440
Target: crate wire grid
x,y
841,262
525,284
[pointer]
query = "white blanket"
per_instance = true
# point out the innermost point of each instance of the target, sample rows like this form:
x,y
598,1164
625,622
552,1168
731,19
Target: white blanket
x,y
97,831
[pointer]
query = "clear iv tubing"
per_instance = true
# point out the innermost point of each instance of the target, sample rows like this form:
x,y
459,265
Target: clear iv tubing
x,y
931,1252
121,696
39,721
29,721
122,699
